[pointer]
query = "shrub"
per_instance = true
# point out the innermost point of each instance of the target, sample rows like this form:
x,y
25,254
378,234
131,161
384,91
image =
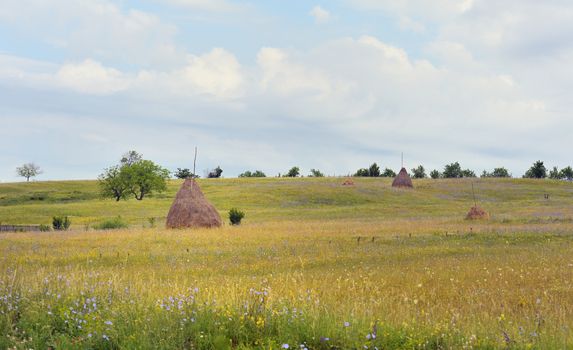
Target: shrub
x,y
61,223
184,174
497,172
235,216
45,228
111,224
434,174
362,173
567,173
256,173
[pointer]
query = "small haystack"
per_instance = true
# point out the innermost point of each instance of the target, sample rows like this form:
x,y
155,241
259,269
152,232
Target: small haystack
x,y
348,182
191,209
403,180
477,213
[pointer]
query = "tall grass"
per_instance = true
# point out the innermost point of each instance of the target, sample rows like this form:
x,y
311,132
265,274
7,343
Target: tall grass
x,y
338,275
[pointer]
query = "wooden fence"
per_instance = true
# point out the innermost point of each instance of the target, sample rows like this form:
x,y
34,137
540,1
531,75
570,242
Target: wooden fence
x,y
19,228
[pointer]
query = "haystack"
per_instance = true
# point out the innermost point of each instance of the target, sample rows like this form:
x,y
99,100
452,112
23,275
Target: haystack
x,y
402,180
191,209
477,213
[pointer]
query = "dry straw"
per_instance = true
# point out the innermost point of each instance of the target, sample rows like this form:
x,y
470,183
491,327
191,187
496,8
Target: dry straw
x,y
191,209
402,180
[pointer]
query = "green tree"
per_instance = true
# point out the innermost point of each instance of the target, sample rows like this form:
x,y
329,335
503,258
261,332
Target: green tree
x,y
256,173
555,174
453,170
114,183
293,172
468,173
215,173
362,172
388,173
145,177
419,172
537,171
374,170
567,173
434,174
497,172
184,173
316,173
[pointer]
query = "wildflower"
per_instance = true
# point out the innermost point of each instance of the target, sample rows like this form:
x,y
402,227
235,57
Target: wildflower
x,y
89,335
284,346
346,324
109,323
105,337
324,339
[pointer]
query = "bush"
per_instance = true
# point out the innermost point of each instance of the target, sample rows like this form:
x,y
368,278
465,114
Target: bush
x,y
434,174
235,216
61,223
215,173
256,173
111,224
45,228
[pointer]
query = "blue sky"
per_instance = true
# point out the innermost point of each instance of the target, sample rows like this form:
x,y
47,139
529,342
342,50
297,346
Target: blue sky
x,y
333,85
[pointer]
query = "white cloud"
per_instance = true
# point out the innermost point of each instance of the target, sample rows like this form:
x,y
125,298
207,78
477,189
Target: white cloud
x,y
95,28
320,15
432,10
209,5
92,78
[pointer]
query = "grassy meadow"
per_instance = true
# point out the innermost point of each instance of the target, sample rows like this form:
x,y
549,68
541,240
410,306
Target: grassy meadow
x,y
315,265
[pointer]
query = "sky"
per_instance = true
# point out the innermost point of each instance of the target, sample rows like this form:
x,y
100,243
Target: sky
x,y
332,85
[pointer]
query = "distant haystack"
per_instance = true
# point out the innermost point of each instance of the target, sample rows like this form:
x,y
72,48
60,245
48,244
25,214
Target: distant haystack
x,y
477,213
348,182
402,180
191,209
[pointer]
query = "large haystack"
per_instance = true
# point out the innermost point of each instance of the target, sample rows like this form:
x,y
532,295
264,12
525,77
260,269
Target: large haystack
x,y
477,213
191,209
403,180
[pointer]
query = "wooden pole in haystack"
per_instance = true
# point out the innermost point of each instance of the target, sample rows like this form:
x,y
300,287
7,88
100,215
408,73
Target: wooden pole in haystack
x,y
195,161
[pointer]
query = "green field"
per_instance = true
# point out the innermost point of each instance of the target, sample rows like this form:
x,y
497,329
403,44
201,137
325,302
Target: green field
x,y
314,264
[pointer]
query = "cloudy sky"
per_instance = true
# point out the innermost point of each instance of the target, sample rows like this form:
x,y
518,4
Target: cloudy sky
x,y
333,85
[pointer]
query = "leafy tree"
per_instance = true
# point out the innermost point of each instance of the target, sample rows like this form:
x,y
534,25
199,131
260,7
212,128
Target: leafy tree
x,y
130,158
293,172
316,173
184,174
419,172
537,171
388,173
453,170
145,177
567,173
28,170
114,183
362,172
215,173
374,170
468,173
555,174
497,172
434,174
256,173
